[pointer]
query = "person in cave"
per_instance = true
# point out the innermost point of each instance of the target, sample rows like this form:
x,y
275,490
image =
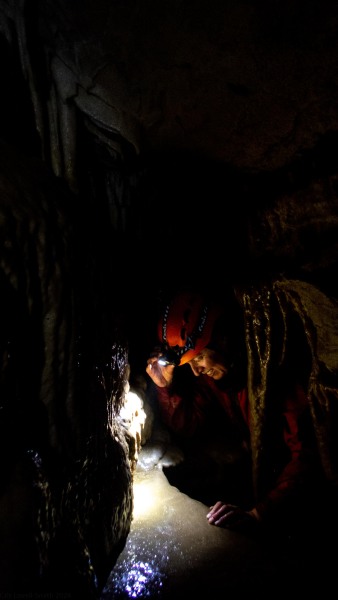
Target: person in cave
x,y
213,395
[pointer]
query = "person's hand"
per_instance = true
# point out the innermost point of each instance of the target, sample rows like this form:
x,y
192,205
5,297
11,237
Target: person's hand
x,y
231,516
160,374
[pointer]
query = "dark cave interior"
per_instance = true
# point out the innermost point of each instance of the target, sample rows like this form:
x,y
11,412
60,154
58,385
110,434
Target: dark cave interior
x,y
144,147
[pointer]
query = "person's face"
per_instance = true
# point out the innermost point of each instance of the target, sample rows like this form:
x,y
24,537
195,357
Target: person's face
x,y
210,363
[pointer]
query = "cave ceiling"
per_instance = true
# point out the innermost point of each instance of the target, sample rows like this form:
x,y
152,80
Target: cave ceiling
x,y
253,85
234,103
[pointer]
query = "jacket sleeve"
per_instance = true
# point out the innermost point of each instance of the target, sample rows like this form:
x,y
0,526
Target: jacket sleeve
x,y
183,411
299,468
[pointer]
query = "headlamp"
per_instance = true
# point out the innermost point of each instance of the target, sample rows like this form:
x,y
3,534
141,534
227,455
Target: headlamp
x,y
169,357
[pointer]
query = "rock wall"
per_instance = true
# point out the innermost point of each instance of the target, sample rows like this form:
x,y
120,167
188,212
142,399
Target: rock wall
x,y
66,495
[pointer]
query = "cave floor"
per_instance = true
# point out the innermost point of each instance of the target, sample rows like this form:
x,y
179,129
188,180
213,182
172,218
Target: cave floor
x,y
173,552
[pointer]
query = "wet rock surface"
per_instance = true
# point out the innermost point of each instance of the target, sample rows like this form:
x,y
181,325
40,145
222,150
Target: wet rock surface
x,y
173,552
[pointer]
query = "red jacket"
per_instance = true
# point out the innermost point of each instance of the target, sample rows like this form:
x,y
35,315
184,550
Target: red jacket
x,y
185,413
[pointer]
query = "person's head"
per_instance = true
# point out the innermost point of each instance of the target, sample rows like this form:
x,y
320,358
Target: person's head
x,y
205,334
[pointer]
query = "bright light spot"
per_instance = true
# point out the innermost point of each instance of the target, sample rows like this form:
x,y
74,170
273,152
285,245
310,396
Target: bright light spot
x,y
145,501
133,417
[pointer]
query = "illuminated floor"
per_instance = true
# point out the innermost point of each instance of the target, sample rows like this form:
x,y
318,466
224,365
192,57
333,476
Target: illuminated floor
x,y
172,552
172,547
